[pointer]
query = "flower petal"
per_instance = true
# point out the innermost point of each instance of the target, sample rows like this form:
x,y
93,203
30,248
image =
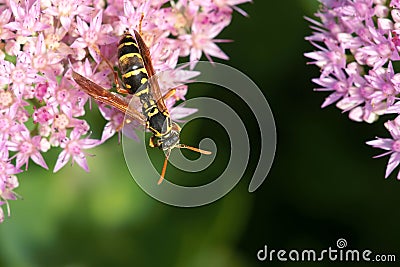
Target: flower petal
x,y
383,143
392,164
63,159
81,160
39,160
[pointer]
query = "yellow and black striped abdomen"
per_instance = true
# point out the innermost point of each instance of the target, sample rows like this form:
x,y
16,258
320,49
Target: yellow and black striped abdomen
x,y
130,61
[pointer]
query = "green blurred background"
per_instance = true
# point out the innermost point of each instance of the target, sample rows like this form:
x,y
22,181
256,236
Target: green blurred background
x,y
323,185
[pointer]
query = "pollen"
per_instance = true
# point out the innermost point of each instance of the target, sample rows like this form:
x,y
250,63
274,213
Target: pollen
x,y
6,99
61,121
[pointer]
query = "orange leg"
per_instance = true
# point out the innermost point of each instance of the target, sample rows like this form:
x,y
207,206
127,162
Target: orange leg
x,y
164,168
140,24
170,93
120,89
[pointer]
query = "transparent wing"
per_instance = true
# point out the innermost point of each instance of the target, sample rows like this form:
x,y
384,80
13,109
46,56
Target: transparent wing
x,y
154,86
102,95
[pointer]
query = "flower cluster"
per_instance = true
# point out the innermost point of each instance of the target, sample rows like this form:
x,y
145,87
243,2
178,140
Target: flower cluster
x,y
358,44
41,107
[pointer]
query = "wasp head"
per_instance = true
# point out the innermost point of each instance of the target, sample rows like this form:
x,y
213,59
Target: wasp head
x,y
171,139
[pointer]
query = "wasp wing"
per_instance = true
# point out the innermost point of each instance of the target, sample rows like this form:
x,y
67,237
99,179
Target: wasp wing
x,y
102,95
154,86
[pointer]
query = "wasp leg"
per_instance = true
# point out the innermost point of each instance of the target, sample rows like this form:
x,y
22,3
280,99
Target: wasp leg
x,y
140,24
120,89
170,93
119,127
152,142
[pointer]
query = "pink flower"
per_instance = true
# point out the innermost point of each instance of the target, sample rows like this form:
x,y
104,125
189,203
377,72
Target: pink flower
x,y
43,115
115,120
19,77
8,182
27,20
391,145
44,60
73,147
223,4
330,59
201,40
4,19
26,147
86,69
94,35
69,102
8,179
8,125
65,11
357,44
131,17
46,40
7,173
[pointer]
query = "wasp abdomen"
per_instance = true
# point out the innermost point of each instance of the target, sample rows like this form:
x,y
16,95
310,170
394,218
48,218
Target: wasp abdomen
x,y
133,72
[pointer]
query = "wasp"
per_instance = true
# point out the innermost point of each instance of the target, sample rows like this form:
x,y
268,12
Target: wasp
x,y
135,65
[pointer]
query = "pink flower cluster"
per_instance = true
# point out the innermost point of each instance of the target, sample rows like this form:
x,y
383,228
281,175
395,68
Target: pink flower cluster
x,y
41,107
357,49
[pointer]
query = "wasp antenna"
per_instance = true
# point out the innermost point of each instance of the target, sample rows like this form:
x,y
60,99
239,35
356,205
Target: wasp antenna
x,y
95,48
164,168
140,23
205,152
